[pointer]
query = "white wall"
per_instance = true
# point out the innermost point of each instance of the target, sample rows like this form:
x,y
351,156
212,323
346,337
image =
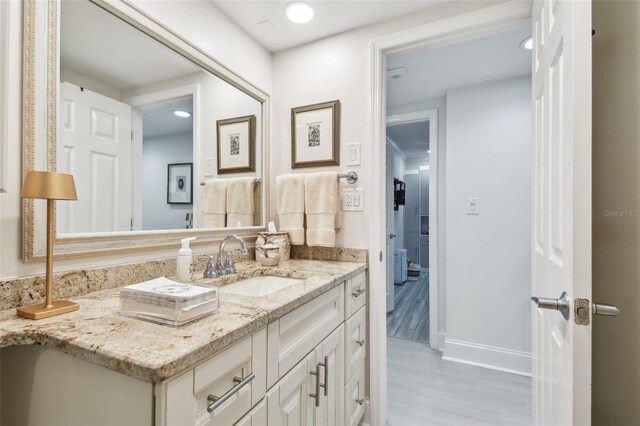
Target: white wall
x,y
200,22
157,153
488,259
338,68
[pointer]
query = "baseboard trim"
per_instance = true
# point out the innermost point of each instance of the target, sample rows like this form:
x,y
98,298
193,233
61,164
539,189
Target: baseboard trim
x,y
491,357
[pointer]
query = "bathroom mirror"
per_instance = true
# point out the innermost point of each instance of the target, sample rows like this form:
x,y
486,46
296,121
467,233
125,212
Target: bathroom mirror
x,y
162,140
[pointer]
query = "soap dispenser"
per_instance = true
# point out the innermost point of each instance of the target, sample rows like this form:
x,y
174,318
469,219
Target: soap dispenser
x,y
184,260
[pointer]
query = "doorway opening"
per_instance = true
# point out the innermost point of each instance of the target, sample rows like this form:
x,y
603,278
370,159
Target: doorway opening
x,y
459,155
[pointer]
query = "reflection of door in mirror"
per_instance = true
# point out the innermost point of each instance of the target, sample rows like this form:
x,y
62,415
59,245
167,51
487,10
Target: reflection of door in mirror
x,y
131,106
96,144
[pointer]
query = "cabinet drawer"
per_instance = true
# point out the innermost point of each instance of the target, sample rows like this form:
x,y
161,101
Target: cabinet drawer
x,y
237,376
354,398
355,293
355,342
255,417
294,335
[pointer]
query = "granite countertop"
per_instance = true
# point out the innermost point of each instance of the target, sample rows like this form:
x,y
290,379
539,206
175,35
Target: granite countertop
x,y
151,352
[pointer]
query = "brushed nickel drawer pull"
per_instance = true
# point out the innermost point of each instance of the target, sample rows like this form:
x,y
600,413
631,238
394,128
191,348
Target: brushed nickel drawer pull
x,y
360,401
325,364
216,401
360,342
317,394
358,292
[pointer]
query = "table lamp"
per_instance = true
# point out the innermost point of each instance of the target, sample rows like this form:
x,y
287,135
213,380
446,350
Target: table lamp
x,y
49,186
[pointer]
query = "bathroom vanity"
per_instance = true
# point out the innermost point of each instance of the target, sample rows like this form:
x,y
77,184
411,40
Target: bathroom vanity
x,y
295,355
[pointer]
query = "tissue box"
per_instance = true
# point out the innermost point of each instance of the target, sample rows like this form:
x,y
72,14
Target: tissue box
x,y
281,239
168,302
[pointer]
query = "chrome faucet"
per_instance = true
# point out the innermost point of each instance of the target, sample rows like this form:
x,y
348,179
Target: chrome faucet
x,y
224,265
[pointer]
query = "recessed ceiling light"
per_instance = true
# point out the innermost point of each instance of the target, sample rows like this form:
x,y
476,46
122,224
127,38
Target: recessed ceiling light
x,y
527,43
183,114
300,12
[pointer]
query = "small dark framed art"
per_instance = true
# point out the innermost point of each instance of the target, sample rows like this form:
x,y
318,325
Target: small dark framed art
x,y
236,144
180,183
315,135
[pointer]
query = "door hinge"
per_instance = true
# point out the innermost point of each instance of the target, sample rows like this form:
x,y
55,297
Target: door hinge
x,y
380,256
581,308
131,225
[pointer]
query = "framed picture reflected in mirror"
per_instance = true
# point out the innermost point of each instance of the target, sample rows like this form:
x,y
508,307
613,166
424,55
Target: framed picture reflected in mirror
x,y
180,183
236,138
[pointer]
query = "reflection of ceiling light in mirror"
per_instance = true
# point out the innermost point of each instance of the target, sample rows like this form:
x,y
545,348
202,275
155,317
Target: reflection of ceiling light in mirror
x,y
428,151
527,43
183,114
300,12
396,73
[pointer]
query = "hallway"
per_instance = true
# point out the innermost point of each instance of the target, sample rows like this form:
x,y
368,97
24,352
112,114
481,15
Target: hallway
x,y
410,318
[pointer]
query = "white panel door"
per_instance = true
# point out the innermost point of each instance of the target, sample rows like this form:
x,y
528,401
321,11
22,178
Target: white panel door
x,y
390,231
562,208
288,401
96,148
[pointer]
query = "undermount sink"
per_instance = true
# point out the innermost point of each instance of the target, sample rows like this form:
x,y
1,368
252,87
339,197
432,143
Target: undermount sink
x,y
260,286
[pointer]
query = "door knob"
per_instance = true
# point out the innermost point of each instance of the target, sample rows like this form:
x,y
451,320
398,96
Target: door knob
x,y
392,236
563,305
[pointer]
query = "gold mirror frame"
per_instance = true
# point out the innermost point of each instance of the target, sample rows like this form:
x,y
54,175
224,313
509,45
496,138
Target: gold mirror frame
x,y
40,100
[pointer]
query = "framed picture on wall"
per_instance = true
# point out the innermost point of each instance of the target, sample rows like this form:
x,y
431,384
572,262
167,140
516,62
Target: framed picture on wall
x,y
236,144
315,135
180,183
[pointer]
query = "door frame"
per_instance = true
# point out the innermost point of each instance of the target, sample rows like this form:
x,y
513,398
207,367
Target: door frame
x,y
137,104
431,116
468,26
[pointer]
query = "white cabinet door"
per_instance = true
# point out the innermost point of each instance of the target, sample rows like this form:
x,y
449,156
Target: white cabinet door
x,y
562,209
329,366
355,347
296,334
289,402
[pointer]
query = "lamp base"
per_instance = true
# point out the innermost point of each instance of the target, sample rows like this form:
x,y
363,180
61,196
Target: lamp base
x,y
36,312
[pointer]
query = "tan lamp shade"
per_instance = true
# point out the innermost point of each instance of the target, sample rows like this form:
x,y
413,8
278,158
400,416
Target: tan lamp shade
x,y
49,186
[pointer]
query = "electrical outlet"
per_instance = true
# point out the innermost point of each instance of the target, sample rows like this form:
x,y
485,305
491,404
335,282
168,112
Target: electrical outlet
x,y
353,200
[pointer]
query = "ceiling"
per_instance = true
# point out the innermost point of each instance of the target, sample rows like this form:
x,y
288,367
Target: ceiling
x,y
97,44
431,72
411,138
267,23
159,119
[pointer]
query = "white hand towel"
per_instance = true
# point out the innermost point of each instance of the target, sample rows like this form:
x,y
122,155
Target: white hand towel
x,y
321,207
215,204
290,206
240,202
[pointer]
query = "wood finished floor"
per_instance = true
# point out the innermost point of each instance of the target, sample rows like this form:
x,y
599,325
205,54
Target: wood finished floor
x,y
425,390
410,318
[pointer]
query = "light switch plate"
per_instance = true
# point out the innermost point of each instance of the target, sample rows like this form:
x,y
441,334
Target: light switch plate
x,y
208,168
353,154
353,200
472,206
